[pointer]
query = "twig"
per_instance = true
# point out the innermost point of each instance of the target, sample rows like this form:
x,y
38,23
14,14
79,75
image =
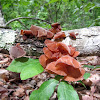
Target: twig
x,y
23,24
25,18
5,27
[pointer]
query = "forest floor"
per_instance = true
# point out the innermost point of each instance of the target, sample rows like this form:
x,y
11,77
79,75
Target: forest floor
x,y
13,88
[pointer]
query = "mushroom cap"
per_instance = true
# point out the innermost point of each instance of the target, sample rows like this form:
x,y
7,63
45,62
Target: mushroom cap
x,y
74,74
34,29
21,32
44,60
55,24
64,66
60,71
70,73
59,35
50,34
76,54
72,50
52,46
68,60
41,32
16,51
26,32
47,52
55,28
72,35
63,48
48,41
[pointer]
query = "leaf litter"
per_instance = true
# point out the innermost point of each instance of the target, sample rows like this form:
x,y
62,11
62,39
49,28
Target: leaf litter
x,y
13,88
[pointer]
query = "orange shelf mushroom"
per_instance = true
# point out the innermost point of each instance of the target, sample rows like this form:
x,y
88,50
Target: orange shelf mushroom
x,y
58,58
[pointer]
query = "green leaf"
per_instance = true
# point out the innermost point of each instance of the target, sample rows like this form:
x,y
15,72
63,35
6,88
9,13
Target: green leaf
x,y
31,70
89,66
86,75
77,2
97,66
89,6
58,77
82,83
18,64
53,1
66,92
45,91
26,66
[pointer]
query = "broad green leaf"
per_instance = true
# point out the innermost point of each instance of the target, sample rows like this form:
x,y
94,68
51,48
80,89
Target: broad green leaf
x,y
18,64
86,75
66,92
26,66
45,91
89,66
31,70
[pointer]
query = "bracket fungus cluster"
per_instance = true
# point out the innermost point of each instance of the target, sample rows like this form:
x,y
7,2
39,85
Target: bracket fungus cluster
x,y
59,58
41,33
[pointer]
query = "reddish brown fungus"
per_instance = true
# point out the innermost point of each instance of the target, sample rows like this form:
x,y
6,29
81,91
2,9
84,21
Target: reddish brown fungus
x,y
60,61
26,32
60,71
43,59
48,41
41,33
76,54
72,35
47,52
52,45
74,74
34,30
59,35
68,60
63,48
16,51
50,34
55,28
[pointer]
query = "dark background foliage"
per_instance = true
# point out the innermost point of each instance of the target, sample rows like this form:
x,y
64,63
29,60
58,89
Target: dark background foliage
x,y
71,14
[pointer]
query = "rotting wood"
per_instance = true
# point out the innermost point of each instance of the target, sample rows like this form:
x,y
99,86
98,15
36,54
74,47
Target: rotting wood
x,y
87,42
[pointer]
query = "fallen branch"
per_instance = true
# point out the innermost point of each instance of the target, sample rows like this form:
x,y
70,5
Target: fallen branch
x,y
17,19
23,24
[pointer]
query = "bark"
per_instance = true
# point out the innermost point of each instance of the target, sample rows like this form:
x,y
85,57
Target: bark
x,y
87,42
